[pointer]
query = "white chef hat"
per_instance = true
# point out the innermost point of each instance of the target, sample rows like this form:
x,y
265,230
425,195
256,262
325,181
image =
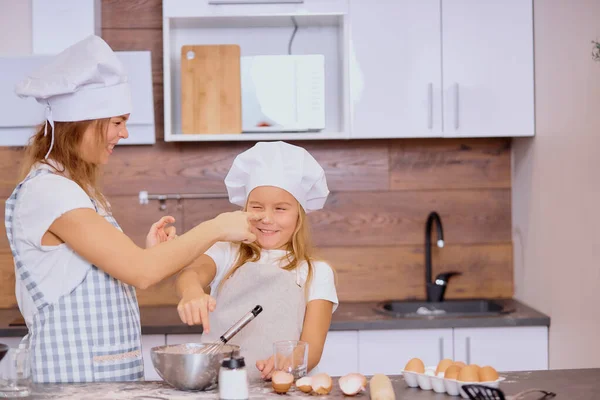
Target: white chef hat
x,y
85,81
282,165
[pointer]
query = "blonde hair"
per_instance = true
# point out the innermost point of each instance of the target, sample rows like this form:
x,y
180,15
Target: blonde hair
x,y
299,250
65,151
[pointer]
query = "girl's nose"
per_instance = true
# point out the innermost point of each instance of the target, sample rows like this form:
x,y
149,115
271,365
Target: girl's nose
x,y
267,217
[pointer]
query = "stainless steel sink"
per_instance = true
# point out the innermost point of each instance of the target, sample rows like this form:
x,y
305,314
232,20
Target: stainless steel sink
x,y
448,308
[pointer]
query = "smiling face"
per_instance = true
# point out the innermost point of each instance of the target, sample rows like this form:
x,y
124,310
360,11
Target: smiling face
x,y
279,210
97,149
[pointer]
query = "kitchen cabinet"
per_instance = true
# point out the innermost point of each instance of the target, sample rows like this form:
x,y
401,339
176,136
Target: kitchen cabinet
x,y
148,342
387,351
264,29
457,68
340,353
11,341
506,349
397,79
236,8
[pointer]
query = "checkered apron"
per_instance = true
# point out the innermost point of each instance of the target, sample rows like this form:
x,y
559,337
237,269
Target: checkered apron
x,y
91,334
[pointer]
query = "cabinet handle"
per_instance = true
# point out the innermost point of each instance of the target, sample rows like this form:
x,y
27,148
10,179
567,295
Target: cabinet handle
x,y
456,107
430,105
468,361
441,348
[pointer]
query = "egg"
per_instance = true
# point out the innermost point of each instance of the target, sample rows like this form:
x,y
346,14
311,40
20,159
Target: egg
x,y
459,363
488,374
468,374
443,365
321,383
281,381
415,365
452,372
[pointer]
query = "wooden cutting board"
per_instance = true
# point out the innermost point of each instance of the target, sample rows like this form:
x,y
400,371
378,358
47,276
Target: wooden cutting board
x,y
211,98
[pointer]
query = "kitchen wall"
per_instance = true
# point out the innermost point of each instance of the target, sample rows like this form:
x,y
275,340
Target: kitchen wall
x,y
556,188
372,228
15,27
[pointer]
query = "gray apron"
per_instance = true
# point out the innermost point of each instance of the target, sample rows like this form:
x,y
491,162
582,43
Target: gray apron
x,y
283,302
91,334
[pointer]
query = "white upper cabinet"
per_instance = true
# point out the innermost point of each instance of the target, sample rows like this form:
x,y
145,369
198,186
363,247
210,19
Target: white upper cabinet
x,y
441,68
488,68
395,74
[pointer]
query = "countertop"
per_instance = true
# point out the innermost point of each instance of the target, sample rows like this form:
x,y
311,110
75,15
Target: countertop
x,y
567,384
348,316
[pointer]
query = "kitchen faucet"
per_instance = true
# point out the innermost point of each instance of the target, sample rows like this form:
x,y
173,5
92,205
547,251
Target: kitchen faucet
x,y
436,289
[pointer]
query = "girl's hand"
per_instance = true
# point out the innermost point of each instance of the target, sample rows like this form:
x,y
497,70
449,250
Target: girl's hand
x,y
160,232
266,368
193,308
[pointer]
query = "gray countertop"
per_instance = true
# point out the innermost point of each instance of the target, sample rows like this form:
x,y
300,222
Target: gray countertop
x,y
580,384
348,316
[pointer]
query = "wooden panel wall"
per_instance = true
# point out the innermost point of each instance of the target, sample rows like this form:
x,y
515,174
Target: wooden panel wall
x,y
372,227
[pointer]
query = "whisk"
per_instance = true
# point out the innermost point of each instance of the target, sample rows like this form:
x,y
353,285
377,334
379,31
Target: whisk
x,y
215,347
480,392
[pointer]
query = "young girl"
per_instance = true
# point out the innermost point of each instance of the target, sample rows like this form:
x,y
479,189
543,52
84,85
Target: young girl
x,y
76,272
280,183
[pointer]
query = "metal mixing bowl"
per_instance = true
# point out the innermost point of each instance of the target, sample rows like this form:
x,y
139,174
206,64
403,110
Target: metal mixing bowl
x,y
184,367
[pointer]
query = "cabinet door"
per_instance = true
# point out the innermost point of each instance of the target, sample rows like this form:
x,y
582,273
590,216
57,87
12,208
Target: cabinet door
x,y
506,349
488,71
340,354
395,68
148,342
388,351
12,341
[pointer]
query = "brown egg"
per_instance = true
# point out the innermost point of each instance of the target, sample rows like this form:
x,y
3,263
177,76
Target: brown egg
x,y
468,374
488,374
459,363
415,365
443,365
452,372
477,367
281,381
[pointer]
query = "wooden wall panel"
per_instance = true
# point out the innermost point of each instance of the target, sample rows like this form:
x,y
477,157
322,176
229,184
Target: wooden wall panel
x,y
379,273
393,218
10,164
450,164
3,239
202,167
7,280
130,14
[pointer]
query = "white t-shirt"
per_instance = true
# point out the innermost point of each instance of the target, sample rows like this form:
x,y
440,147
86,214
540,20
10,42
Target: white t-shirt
x,y
58,270
322,287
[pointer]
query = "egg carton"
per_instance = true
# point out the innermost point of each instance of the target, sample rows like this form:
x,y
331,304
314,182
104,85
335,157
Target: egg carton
x,y
439,384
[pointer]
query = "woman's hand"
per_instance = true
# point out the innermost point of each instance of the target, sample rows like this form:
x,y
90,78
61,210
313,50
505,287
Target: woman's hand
x,y
194,306
160,232
235,226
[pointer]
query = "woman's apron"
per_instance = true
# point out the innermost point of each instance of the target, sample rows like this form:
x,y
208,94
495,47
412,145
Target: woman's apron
x,y
91,334
282,299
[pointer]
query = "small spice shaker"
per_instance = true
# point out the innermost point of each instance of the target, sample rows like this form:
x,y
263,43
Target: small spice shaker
x,y
233,379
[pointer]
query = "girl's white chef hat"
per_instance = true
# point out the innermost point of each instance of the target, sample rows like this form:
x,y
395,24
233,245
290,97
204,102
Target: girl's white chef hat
x,y
282,165
85,81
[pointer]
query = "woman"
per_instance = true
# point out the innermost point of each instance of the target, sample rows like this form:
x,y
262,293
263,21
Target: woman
x,y
281,183
76,272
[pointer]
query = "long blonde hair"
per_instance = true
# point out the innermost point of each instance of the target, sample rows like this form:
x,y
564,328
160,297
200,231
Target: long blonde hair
x,y
65,151
298,250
